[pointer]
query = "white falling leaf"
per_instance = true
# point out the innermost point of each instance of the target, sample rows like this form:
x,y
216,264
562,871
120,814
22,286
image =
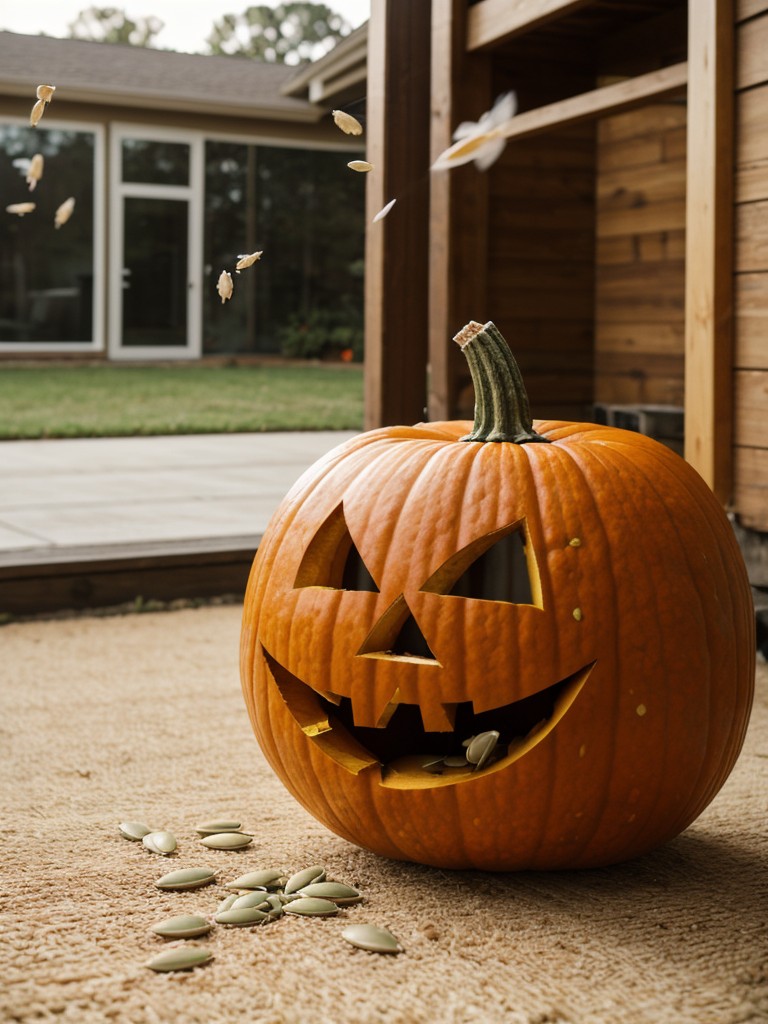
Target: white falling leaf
x,y
348,124
483,141
64,212
360,165
35,171
224,286
20,208
384,211
245,260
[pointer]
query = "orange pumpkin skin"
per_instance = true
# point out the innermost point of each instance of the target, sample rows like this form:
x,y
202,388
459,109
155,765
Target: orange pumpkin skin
x,y
641,604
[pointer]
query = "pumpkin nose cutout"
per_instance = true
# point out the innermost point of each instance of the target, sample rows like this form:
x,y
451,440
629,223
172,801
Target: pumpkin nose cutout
x,y
397,637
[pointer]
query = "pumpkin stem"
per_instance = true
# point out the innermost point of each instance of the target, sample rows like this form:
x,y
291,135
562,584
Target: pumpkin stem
x,y
501,401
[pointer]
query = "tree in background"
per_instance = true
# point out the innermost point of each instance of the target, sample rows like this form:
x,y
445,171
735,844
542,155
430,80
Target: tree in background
x,y
290,33
112,25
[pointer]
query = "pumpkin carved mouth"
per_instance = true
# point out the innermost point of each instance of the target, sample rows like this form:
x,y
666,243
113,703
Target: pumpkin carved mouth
x,y
401,748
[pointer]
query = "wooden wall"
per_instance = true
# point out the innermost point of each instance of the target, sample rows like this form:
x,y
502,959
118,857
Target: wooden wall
x,y
640,258
751,266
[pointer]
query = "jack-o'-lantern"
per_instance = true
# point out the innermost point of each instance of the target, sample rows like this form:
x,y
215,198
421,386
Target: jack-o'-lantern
x,y
500,647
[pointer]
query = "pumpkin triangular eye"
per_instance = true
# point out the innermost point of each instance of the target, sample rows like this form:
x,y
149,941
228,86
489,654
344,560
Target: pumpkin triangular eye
x,y
332,559
497,567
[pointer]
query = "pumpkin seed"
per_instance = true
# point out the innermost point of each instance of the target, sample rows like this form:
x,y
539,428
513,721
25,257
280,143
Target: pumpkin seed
x,y
455,761
481,748
180,958
337,892
308,906
185,926
371,937
242,917
212,828
250,899
436,767
160,842
134,830
362,166
305,877
467,741
228,902
270,878
227,841
348,124
187,878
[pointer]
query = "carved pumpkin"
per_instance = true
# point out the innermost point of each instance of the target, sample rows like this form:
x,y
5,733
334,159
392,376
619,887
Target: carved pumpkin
x,y
576,593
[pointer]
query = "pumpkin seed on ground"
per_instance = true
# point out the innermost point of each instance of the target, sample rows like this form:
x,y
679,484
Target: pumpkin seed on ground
x,y
250,899
211,828
372,938
268,878
180,958
134,830
228,902
456,761
227,841
185,926
337,892
163,843
243,917
309,906
186,878
304,877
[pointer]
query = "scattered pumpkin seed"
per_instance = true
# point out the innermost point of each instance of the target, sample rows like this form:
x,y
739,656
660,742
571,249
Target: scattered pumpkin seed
x,y
45,92
212,828
64,212
180,958
226,903
187,878
242,917
308,906
362,166
251,899
305,877
337,892
348,124
455,761
227,841
269,878
224,286
160,842
371,937
185,926
21,209
481,748
134,830
578,614
383,211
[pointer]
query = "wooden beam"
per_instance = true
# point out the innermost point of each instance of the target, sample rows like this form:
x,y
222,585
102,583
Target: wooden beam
x,y
493,21
458,213
396,253
709,246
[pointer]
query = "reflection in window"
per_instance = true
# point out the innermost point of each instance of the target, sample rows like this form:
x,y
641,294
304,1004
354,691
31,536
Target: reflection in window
x,y
155,163
46,275
306,211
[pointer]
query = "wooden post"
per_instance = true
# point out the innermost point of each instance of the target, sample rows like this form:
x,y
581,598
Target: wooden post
x,y
461,90
396,283
709,244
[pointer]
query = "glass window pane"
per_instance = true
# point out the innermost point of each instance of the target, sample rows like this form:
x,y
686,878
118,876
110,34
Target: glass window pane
x,y
46,274
306,211
155,163
155,272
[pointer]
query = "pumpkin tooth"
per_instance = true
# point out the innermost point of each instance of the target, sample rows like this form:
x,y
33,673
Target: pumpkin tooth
x,y
438,717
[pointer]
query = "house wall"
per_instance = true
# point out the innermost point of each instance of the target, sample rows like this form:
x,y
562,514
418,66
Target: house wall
x,y
640,259
751,266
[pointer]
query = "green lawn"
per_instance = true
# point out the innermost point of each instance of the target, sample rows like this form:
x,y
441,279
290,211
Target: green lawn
x,y
113,401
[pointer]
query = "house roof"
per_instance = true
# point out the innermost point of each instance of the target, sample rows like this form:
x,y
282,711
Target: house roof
x,y
130,76
340,72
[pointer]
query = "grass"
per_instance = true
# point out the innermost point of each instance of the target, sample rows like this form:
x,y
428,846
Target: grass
x,y
117,401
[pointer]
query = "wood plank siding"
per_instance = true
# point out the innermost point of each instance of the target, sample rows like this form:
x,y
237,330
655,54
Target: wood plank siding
x,y
750,360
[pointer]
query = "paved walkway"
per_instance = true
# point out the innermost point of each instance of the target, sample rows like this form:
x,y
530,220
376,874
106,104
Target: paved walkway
x,y
60,498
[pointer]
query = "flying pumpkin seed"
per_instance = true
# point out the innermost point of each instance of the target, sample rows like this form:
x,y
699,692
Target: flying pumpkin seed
x,y
20,208
37,112
35,171
244,260
45,92
64,212
348,124
224,286
384,211
360,165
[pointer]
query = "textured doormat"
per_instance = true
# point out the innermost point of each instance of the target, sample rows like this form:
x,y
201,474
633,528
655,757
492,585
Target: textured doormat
x,y
140,717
